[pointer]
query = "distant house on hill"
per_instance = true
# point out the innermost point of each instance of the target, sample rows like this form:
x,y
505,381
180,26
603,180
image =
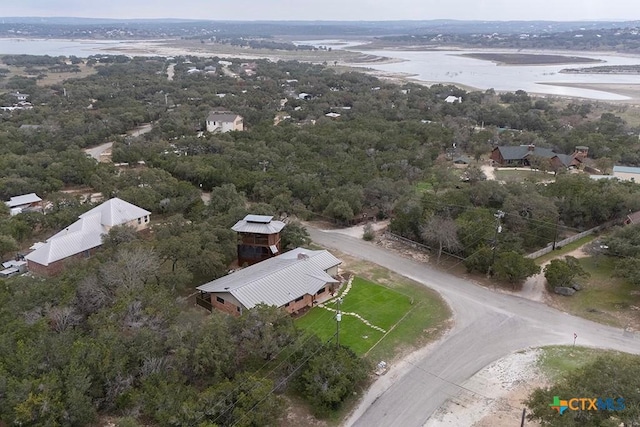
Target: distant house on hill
x,y
453,99
24,203
632,218
83,237
20,96
522,155
224,121
294,280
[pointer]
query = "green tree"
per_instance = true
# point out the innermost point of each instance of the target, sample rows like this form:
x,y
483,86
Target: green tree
x,y
562,272
612,376
629,268
7,245
261,332
294,235
514,268
480,260
330,376
245,402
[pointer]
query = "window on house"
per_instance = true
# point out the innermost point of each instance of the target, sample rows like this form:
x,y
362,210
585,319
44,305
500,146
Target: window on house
x,y
299,298
146,218
321,291
220,300
287,304
139,220
238,309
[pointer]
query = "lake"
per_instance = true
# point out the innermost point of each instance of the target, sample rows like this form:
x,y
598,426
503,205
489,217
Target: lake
x,y
80,48
449,66
441,66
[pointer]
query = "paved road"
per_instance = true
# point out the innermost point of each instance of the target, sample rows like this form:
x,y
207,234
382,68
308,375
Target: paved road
x,y
95,152
488,326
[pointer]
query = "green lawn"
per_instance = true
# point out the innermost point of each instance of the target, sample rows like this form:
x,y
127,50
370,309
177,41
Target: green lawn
x,y
606,299
409,313
556,361
423,186
565,249
522,175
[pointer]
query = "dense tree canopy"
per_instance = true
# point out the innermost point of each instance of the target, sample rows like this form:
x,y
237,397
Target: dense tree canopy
x,y
608,377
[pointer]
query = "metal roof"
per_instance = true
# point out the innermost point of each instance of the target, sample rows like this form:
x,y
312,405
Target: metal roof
x,y
25,199
519,152
626,169
226,117
258,224
86,233
116,211
263,219
279,280
82,235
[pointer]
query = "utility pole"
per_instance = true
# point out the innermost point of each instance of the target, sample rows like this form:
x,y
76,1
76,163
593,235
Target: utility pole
x,y
499,215
555,235
338,319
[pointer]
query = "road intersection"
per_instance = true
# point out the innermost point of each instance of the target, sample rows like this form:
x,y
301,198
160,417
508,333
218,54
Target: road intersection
x,y
488,326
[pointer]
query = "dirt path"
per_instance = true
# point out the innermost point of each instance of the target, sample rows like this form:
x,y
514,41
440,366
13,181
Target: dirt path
x,y
171,71
489,172
534,287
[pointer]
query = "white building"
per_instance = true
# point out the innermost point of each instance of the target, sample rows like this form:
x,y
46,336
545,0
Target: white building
x,y
224,121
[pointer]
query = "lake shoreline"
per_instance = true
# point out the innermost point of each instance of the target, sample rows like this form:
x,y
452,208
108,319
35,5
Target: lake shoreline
x,y
428,67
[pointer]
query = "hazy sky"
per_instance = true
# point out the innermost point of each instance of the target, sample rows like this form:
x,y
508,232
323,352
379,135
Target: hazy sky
x,y
556,10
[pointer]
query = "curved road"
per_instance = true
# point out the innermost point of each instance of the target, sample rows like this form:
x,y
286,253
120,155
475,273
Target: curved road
x,y
488,326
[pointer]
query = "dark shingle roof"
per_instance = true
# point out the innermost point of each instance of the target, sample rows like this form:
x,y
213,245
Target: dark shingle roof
x,y
521,151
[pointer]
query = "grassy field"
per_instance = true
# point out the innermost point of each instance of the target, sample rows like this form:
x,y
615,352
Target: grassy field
x,y
556,361
605,299
409,314
513,175
50,78
423,186
565,249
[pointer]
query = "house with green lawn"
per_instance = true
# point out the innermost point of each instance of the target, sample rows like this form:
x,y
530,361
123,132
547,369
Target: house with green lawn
x,y
294,280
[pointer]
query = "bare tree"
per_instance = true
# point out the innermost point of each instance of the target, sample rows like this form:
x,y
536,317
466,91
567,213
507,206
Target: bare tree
x,y
61,318
441,232
130,269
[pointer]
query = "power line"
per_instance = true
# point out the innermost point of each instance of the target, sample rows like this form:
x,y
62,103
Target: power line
x,y
270,392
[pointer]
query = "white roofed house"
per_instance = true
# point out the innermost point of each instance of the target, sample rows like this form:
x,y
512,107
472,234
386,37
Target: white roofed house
x,y
24,203
294,280
224,121
84,237
20,96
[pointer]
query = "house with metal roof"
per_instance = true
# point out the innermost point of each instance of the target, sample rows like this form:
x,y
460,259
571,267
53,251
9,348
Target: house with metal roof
x,y
258,238
84,236
24,203
627,173
521,155
294,280
224,121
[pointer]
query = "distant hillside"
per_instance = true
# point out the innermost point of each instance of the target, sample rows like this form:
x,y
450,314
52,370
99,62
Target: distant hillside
x,y
69,27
